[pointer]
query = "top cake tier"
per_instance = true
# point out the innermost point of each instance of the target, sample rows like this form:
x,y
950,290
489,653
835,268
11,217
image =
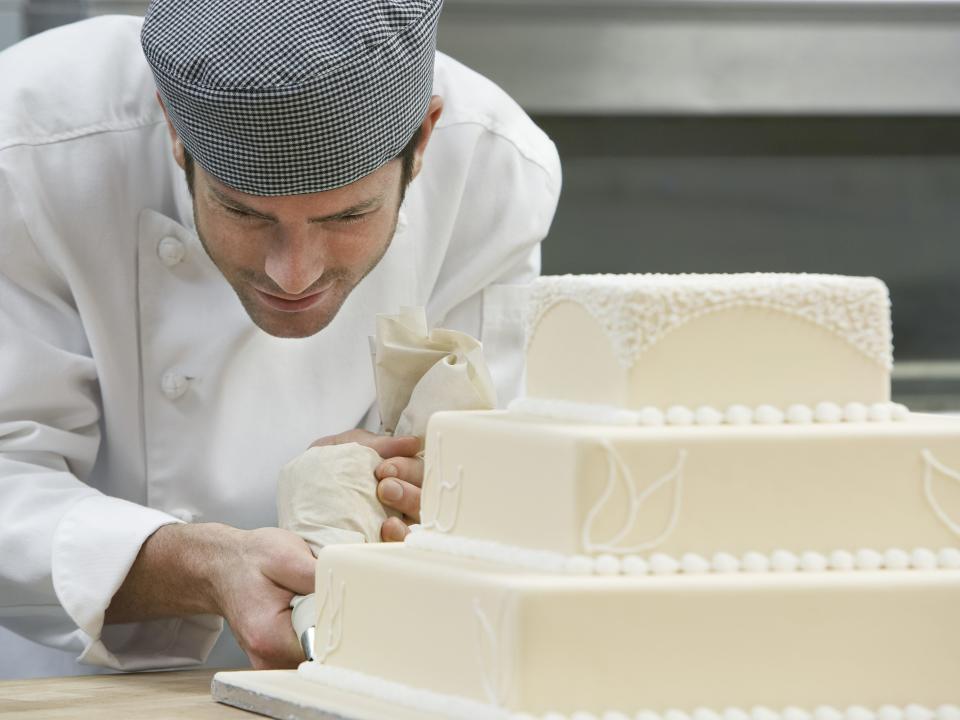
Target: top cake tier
x,y
709,340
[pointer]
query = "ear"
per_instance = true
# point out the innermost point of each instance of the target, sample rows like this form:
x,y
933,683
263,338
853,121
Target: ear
x,y
174,138
434,110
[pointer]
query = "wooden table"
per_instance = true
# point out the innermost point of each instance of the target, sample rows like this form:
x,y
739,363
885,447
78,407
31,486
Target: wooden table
x,y
151,696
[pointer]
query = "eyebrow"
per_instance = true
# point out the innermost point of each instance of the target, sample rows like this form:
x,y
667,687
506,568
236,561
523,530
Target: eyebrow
x,y
225,199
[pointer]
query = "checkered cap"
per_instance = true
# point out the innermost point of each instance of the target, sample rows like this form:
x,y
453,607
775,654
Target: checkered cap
x,y
279,97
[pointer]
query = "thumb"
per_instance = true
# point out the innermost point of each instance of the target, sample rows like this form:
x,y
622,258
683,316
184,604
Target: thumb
x,y
293,565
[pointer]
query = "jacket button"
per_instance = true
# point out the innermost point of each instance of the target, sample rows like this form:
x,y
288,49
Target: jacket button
x,y
171,251
174,384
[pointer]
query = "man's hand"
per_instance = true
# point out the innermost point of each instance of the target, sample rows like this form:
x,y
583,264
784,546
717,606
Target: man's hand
x,y
246,576
399,476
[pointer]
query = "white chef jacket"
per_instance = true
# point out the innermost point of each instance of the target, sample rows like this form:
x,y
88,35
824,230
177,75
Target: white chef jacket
x,y
134,389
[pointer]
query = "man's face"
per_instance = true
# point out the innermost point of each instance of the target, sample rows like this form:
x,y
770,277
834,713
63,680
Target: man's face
x,y
293,260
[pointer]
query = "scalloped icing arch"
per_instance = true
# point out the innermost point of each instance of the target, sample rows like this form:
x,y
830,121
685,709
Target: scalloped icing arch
x,y
737,353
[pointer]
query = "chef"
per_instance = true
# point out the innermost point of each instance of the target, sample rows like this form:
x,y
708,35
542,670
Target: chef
x,y
200,215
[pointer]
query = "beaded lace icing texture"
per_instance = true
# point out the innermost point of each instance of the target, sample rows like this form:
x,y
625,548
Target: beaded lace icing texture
x,y
636,311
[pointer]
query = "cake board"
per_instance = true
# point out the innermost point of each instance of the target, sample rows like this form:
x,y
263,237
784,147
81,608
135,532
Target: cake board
x,y
286,695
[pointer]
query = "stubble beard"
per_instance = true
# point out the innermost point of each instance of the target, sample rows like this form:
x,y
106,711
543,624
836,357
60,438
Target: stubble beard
x,y
302,324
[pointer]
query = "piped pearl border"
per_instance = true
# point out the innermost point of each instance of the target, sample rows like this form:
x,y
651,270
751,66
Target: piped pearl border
x,y
782,561
441,705
681,415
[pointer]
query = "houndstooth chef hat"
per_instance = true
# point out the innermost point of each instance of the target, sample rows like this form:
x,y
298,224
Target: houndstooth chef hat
x,y
279,97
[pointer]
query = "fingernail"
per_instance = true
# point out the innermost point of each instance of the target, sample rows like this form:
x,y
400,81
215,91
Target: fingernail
x,y
390,490
388,470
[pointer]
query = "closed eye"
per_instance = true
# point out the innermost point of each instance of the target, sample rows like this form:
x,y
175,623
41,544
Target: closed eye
x,y
352,218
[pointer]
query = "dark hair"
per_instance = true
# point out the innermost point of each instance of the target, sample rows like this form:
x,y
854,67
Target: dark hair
x,y
406,157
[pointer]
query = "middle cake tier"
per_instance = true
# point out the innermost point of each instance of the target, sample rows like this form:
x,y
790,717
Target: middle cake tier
x,y
843,495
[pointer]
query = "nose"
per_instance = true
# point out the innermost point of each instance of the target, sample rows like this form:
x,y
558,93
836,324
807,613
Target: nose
x,y
295,261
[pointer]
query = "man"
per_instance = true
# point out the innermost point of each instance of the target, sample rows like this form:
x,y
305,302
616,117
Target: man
x,y
192,251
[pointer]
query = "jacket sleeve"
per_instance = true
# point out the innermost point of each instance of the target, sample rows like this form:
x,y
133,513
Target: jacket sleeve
x,y
506,208
65,548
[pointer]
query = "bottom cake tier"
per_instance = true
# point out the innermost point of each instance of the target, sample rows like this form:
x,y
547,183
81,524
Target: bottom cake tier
x,y
427,630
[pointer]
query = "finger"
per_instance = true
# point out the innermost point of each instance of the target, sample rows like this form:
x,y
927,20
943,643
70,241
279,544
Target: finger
x,y
401,496
385,445
356,435
399,446
393,530
403,468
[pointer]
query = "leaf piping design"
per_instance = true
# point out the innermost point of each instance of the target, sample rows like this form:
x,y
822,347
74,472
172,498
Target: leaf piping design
x,y
495,674
335,635
445,489
930,464
618,470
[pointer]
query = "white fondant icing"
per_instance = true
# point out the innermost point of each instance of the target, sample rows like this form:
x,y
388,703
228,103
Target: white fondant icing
x,y
619,472
930,464
446,489
636,311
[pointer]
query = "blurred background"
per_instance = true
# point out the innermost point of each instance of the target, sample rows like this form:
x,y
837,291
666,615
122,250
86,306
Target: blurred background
x,y
732,135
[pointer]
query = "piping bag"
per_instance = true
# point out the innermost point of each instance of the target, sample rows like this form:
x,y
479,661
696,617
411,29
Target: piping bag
x,y
328,495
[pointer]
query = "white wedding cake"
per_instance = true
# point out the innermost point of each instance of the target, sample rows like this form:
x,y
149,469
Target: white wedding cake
x,y
705,508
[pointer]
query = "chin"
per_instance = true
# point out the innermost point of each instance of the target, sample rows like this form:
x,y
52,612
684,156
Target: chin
x,y
290,325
